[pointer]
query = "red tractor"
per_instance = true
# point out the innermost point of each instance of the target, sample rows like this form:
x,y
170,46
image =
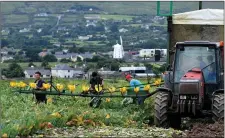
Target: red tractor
x,y
194,84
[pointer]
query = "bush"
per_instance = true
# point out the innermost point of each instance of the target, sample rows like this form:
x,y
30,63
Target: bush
x,y
50,58
14,71
64,60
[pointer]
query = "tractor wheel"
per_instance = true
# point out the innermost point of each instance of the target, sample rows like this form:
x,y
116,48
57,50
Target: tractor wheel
x,y
161,110
218,107
161,117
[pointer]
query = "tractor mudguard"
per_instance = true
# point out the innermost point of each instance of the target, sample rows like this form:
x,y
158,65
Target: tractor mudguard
x,y
164,89
168,79
218,91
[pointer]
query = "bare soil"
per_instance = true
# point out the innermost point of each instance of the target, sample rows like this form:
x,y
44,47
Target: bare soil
x,y
202,129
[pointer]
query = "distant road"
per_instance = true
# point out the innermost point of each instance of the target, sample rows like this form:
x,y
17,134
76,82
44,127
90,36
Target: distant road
x,y
59,17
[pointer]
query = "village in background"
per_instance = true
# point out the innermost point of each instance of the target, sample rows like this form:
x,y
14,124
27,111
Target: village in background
x,y
70,40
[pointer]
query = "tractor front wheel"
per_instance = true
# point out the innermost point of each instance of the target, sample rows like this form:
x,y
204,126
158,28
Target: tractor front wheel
x,y
218,107
161,110
162,118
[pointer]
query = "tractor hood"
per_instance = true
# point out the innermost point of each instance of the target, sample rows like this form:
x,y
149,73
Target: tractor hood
x,y
190,82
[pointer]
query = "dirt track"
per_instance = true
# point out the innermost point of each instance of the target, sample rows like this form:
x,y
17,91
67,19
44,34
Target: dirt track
x,y
201,129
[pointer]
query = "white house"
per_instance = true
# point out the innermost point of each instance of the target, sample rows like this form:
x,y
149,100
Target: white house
x,y
5,58
90,24
24,30
146,52
82,38
123,30
42,15
39,30
151,52
29,72
63,71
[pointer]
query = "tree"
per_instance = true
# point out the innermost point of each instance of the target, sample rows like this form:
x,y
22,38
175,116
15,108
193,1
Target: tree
x,y
73,50
62,40
148,66
81,50
44,64
50,58
136,64
159,70
14,71
79,59
31,64
32,54
5,42
64,60
114,28
20,52
115,66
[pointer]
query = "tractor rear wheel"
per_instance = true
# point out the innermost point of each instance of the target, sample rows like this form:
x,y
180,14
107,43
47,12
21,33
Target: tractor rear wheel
x,y
162,118
218,107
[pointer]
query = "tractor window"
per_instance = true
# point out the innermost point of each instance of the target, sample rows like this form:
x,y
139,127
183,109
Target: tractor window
x,y
195,57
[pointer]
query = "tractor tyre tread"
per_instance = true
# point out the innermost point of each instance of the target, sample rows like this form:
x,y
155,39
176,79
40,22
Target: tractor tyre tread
x,y
161,109
218,107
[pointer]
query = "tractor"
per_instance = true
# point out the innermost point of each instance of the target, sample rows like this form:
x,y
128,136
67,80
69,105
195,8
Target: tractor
x,y
193,84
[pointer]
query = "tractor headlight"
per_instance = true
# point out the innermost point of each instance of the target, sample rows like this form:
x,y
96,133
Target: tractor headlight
x,y
194,97
183,97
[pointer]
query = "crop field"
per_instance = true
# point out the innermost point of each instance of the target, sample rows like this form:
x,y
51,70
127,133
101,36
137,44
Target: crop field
x,y
21,116
114,17
70,18
72,116
13,19
42,19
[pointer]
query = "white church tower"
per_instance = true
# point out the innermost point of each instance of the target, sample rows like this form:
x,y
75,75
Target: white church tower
x,y
118,52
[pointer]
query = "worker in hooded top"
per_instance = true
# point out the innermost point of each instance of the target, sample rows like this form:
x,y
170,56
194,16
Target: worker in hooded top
x,y
95,80
136,83
39,86
211,70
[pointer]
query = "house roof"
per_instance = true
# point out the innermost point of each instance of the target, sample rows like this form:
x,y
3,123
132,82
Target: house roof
x,y
42,54
62,67
86,55
31,71
68,55
59,53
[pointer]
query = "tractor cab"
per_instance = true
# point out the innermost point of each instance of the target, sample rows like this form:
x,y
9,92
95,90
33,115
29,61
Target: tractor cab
x,y
199,61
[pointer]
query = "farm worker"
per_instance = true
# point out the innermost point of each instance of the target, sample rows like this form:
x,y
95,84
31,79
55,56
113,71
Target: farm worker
x,y
201,62
211,75
39,86
95,80
137,83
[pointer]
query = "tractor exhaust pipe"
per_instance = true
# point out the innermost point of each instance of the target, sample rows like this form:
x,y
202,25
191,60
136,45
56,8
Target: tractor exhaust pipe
x,y
189,106
193,107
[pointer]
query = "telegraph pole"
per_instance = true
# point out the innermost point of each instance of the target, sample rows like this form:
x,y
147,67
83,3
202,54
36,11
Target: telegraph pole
x,y
200,5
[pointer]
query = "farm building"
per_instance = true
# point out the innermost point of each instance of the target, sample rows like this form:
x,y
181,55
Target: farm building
x,y
29,72
64,71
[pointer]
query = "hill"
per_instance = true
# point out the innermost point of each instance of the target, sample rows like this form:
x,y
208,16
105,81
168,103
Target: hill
x,y
136,8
